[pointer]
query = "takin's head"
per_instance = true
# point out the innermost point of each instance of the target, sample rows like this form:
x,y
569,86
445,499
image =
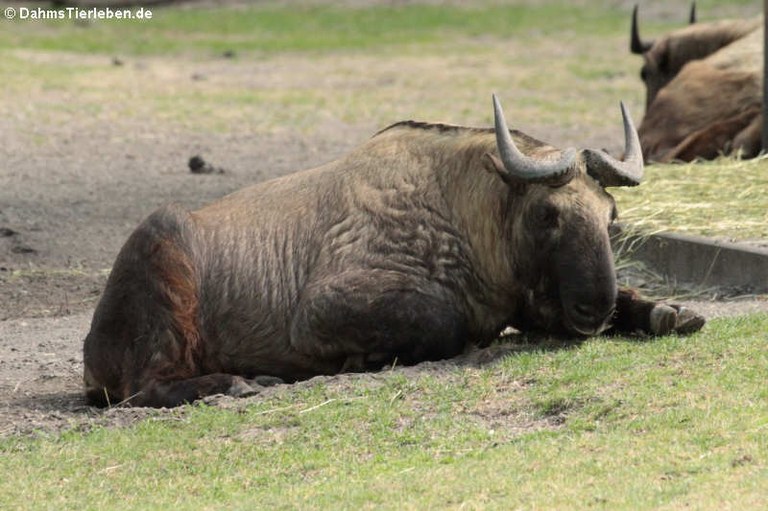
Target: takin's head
x,y
664,57
559,228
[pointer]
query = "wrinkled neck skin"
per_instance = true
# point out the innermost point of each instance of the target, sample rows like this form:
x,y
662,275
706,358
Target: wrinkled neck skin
x,y
477,201
556,278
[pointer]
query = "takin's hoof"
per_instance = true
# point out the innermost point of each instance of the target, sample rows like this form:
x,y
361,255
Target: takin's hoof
x,y
666,319
688,321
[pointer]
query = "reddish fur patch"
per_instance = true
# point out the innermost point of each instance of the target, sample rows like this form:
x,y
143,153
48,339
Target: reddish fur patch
x,y
713,139
176,285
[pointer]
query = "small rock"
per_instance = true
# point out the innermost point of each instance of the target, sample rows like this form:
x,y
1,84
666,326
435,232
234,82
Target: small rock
x,y
23,249
197,165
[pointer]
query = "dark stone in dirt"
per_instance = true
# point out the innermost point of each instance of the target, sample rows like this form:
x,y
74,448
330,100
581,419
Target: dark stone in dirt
x,y
197,165
23,249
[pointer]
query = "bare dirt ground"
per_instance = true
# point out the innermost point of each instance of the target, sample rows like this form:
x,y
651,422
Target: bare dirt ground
x,y
75,181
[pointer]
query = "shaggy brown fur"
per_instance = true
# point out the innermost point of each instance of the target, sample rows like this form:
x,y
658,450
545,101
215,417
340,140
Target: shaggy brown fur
x,y
666,56
406,249
711,107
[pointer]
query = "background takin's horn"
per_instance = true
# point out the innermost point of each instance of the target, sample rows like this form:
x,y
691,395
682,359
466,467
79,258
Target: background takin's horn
x,y
637,45
521,167
612,172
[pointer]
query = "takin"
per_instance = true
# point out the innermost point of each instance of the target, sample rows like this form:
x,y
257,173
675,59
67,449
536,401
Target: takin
x,y
665,57
713,106
423,240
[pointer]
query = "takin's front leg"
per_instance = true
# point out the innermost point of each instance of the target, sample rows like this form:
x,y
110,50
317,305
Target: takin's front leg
x,y
738,133
635,314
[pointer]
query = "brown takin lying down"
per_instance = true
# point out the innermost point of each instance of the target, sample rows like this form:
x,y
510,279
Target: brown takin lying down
x,y
704,91
419,242
664,57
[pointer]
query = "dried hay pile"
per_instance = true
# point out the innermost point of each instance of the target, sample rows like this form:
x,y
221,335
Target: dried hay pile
x,y
725,198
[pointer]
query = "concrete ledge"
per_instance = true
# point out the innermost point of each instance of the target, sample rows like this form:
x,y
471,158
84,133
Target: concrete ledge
x,y
702,261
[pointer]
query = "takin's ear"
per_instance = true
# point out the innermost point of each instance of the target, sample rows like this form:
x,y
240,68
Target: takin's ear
x,y
660,55
493,164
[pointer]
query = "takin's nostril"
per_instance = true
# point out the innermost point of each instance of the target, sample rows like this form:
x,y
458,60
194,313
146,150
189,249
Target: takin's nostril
x,y
589,314
586,319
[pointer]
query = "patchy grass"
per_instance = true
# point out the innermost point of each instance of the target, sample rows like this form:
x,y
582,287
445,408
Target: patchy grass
x,y
724,198
306,28
609,423
317,27
447,82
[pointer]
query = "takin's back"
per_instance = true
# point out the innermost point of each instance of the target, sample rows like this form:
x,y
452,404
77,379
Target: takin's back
x,y
389,205
214,290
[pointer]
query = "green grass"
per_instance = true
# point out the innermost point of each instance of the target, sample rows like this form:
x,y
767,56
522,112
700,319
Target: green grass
x,y
302,65
273,28
307,27
298,67
674,422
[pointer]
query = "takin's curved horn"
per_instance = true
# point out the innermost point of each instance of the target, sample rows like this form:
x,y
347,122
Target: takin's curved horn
x,y
692,17
612,172
521,167
637,45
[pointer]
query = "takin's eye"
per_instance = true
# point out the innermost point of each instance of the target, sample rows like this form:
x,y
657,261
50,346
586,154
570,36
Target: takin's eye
x,y
663,63
644,73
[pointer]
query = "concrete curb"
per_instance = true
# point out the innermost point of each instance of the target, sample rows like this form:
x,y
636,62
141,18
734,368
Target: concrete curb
x,y
701,261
